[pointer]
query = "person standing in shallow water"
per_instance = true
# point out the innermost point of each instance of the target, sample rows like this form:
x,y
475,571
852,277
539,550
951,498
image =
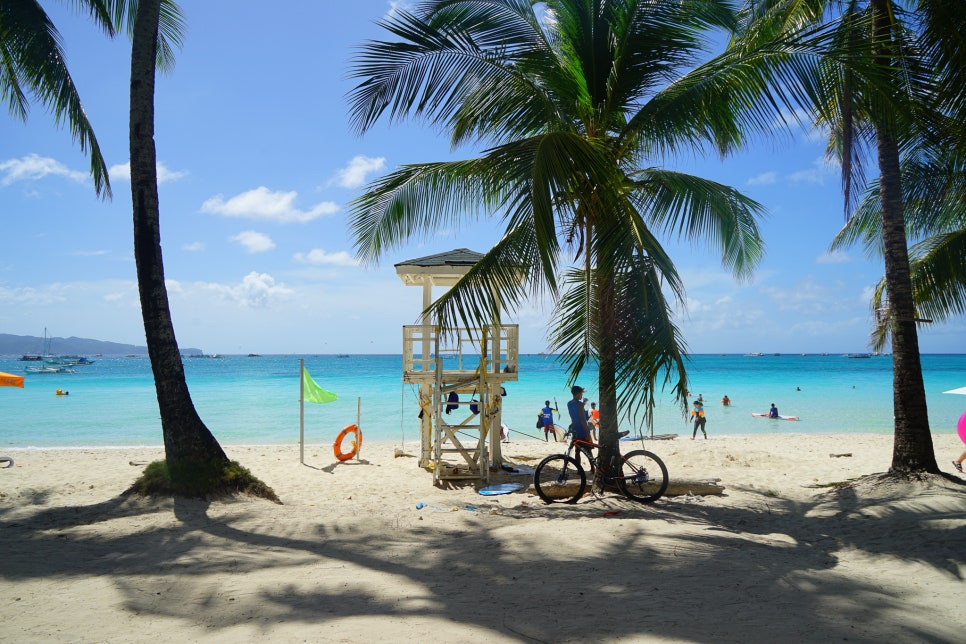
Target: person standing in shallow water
x,y
697,415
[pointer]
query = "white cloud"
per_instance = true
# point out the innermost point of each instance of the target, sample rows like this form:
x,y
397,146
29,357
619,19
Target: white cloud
x,y
33,167
763,179
30,296
194,247
265,205
357,172
319,257
256,290
821,170
254,242
833,257
122,172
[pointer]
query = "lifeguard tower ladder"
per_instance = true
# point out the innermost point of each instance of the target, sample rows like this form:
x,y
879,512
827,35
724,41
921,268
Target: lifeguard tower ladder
x,y
461,378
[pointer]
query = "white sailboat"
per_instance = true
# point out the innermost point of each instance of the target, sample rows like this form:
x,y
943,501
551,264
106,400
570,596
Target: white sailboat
x,y
50,364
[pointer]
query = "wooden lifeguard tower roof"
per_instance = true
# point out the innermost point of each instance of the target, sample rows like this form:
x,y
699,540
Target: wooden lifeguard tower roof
x,y
441,269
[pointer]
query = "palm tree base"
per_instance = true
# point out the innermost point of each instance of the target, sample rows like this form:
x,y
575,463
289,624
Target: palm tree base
x,y
215,479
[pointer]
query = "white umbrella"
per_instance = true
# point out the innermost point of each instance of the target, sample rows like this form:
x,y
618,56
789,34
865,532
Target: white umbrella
x,y
961,390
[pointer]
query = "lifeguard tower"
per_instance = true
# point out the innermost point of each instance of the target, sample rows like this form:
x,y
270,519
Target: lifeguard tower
x,y
460,376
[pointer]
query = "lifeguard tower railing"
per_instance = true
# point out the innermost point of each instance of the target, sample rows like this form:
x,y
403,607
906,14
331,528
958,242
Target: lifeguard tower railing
x,y
459,350
460,376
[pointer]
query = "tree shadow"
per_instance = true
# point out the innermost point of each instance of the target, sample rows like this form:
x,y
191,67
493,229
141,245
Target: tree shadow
x,y
771,566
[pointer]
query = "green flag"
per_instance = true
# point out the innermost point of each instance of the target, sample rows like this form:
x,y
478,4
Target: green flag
x,y
313,393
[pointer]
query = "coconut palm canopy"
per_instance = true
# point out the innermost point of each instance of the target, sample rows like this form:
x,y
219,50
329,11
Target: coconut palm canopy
x,y
576,104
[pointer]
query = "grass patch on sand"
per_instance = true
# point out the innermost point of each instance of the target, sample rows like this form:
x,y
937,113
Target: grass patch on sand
x,y
205,481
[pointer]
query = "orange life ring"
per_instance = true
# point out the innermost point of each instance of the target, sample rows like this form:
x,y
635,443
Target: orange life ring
x,y
356,443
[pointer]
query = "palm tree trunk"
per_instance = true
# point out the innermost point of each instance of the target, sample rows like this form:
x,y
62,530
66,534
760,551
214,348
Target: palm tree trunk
x,y
912,448
607,365
187,441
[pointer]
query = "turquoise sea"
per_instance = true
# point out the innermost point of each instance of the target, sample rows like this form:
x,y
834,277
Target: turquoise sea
x,y
254,400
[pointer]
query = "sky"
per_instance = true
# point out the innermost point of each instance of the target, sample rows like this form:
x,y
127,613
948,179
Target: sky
x,y
258,163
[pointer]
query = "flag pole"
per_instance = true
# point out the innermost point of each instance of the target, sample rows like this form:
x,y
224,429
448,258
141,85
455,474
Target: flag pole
x,y
301,411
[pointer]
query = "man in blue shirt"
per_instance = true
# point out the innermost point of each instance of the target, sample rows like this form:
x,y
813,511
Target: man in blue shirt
x,y
579,428
546,415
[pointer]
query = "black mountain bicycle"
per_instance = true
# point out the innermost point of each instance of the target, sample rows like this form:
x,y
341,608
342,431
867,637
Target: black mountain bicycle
x,y
560,478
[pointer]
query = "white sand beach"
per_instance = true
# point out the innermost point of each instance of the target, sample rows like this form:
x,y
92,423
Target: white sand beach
x,y
349,557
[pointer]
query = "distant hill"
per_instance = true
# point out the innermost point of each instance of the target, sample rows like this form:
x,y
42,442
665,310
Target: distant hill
x,y
18,345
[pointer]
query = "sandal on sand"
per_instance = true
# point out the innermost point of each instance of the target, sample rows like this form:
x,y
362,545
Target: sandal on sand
x,y
958,466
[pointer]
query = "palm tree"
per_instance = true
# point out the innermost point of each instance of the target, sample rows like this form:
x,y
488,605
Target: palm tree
x,y
884,111
576,108
32,62
934,186
195,464
188,444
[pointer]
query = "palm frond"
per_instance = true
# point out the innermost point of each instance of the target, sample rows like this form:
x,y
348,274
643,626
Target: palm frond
x,y
32,59
694,208
509,275
649,352
938,269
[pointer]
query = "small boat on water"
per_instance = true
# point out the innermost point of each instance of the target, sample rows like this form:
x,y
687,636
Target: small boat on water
x,y
68,360
44,351
48,369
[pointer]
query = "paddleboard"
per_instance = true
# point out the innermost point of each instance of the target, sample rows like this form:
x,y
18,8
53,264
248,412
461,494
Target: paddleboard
x,y
501,488
779,418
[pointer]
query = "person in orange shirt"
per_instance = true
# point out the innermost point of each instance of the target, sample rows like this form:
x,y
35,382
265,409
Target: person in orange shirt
x,y
594,421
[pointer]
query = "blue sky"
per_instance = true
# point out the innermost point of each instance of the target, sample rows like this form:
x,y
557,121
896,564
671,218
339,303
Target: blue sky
x,y
258,163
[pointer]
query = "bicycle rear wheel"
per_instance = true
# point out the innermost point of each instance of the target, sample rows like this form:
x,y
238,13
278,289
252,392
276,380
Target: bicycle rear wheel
x,y
559,479
643,476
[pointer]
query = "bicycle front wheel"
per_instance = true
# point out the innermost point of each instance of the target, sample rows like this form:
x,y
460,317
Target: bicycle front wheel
x,y
643,476
559,479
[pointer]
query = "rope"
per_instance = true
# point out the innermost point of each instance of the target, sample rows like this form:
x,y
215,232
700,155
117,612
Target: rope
x,y
539,438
